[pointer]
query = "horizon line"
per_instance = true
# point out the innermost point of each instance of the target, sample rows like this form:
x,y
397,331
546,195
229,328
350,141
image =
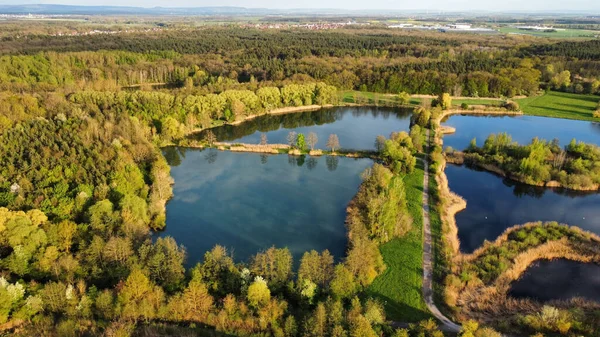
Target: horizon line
x,y
429,11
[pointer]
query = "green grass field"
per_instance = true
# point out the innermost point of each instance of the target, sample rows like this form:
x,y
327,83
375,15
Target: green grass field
x,y
348,97
560,34
561,105
399,287
477,101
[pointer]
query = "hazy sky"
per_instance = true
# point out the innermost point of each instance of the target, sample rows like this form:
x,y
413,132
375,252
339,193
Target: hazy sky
x,y
447,5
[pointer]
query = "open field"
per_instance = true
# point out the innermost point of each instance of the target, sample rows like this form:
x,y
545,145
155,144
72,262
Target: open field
x,y
399,287
560,34
561,105
477,101
349,96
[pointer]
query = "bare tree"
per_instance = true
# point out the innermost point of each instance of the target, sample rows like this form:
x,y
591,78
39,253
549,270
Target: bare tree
x,y
333,142
559,159
312,140
379,143
291,138
263,139
210,137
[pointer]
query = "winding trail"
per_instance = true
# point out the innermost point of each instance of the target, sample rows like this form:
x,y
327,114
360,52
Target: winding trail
x,y
446,324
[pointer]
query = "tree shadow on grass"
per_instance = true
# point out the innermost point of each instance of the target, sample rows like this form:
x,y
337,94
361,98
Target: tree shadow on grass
x,y
559,111
577,97
399,312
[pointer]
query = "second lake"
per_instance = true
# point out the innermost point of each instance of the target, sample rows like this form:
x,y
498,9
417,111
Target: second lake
x,y
521,128
249,202
356,127
495,204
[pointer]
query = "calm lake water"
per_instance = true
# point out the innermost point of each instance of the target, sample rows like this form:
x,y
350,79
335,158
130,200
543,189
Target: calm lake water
x,y
522,129
495,204
249,202
558,280
356,127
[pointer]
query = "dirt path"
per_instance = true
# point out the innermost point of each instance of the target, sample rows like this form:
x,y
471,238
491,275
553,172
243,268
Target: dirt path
x,y
446,325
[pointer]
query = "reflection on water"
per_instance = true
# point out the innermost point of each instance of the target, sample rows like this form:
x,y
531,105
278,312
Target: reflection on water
x,y
558,280
356,127
495,204
249,202
522,129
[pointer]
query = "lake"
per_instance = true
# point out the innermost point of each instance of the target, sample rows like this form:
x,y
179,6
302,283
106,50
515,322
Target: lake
x,y
522,129
249,202
558,280
495,204
356,127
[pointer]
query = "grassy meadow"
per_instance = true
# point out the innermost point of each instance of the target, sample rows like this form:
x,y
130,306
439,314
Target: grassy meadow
x,y
348,96
399,287
477,101
561,105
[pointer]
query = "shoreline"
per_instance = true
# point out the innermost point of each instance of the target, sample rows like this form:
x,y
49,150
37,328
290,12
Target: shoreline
x,y
475,112
494,304
278,111
490,303
284,149
455,202
458,158
290,110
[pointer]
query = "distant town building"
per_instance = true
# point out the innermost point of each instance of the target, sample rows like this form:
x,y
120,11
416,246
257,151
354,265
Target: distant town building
x,y
464,26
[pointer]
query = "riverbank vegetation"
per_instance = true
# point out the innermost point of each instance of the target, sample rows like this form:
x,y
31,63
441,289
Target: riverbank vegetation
x,y
539,163
478,287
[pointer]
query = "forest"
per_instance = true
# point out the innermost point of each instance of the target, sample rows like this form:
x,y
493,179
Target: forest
x,y
216,59
83,182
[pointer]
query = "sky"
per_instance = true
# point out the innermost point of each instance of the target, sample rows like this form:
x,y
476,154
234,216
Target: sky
x,y
434,5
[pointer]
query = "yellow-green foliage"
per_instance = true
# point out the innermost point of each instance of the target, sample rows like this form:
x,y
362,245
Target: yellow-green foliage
x,y
379,208
398,152
445,101
495,259
421,117
576,166
549,319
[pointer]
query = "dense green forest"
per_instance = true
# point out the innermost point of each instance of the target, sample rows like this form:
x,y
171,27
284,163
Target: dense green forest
x,y
83,182
219,59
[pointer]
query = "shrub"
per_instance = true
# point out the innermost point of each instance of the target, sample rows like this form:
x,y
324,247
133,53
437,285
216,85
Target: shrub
x,y
511,106
464,106
403,98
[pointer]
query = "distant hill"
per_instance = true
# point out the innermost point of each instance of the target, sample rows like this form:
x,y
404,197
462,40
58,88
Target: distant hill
x,y
123,10
50,9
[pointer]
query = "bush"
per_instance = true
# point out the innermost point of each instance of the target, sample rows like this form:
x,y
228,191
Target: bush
x,y
464,106
597,113
511,106
403,98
